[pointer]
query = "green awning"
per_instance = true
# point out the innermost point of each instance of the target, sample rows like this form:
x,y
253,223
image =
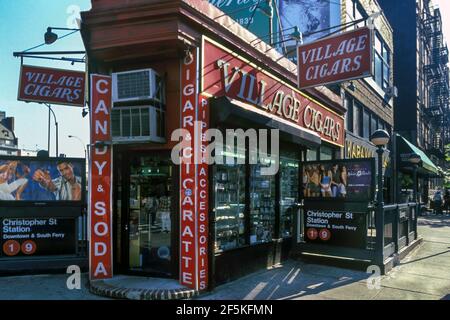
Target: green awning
x,y
406,148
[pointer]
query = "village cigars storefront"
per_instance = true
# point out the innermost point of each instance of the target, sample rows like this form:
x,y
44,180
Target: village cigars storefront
x,y
202,224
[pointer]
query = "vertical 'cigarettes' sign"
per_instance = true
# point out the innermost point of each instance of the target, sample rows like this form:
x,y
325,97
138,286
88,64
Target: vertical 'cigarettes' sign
x,y
100,214
193,179
188,195
334,59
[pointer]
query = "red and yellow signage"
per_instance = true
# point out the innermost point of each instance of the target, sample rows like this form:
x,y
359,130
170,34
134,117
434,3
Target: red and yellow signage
x,y
335,59
225,73
100,262
49,85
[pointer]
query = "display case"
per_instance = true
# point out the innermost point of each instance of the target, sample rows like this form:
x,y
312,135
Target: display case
x,y
229,183
289,193
262,206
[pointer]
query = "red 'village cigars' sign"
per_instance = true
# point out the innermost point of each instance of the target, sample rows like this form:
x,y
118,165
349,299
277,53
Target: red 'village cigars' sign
x,y
48,85
193,181
335,59
225,73
100,184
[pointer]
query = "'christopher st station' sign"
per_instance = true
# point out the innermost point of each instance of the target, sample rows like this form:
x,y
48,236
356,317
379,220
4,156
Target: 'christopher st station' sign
x,y
49,85
335,59
224,73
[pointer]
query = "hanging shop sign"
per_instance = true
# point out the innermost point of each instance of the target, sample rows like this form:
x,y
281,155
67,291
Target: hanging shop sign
x,y
335,228
347,180
21,237
100,262
193,180
49,85
335,59
225,73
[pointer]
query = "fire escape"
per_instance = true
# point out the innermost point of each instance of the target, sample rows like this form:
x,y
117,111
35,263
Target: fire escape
x,y
437,77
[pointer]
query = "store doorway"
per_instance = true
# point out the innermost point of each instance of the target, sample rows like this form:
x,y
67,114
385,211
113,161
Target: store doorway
x,y
148,219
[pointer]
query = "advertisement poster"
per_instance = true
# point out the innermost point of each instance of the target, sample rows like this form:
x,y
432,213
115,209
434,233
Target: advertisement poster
x,y
25,179
338,228
37,236
342,179
247,14
310,16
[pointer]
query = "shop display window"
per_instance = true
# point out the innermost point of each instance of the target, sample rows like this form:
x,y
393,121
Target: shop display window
x,y
289,184
229,184
262,204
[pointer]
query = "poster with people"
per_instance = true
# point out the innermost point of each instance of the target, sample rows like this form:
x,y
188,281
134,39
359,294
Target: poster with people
x,y
25,179
339,179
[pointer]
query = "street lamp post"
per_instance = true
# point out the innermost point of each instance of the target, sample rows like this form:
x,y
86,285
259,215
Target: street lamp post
x,y
380,139
415,159
84,146
50,111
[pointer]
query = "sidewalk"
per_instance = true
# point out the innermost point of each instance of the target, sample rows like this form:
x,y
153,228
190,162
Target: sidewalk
x,y
424,274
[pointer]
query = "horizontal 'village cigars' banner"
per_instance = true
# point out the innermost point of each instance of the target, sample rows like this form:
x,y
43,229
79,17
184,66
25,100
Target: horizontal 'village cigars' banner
x,y
224,73
49,85
335,59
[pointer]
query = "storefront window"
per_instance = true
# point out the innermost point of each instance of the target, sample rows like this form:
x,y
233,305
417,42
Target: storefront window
x,y
311,155
366,124
326,153
289,171
356,119
229,183
262,204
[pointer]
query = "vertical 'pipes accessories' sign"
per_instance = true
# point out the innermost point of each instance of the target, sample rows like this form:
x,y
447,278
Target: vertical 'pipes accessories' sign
x,y
202,193
100,262
193,179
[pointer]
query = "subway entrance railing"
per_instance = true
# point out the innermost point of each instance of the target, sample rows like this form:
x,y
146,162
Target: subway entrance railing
x,y
338,217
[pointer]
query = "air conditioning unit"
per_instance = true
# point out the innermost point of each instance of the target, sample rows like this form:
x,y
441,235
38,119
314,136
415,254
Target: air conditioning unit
x,y
137,85
138,124
392,92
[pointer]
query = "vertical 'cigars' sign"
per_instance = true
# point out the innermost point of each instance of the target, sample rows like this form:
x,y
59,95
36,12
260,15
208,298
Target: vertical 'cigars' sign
x,y
188,195
100,262
193,180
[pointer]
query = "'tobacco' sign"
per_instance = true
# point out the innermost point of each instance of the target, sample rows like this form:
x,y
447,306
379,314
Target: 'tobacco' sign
x,y
48,85
100,262
335,59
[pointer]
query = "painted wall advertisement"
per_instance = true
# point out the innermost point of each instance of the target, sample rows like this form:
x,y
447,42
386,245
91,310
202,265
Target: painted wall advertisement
x,y
349,180
37,236
55,180
49,85
337,228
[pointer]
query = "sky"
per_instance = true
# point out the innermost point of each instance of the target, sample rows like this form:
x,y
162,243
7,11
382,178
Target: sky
x,y
22,26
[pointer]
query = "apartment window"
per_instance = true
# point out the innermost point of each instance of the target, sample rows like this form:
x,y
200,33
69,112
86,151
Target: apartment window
x,y
382,56
356,119
366,124
373,124
349,114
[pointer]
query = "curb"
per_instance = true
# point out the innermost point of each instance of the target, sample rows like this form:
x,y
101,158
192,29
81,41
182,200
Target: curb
x,y
99,287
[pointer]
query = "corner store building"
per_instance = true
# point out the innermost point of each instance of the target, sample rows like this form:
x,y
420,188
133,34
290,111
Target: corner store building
x,y
242,221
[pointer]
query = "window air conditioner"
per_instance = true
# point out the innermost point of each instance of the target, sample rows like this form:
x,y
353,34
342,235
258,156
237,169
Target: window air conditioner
x,y
137,85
